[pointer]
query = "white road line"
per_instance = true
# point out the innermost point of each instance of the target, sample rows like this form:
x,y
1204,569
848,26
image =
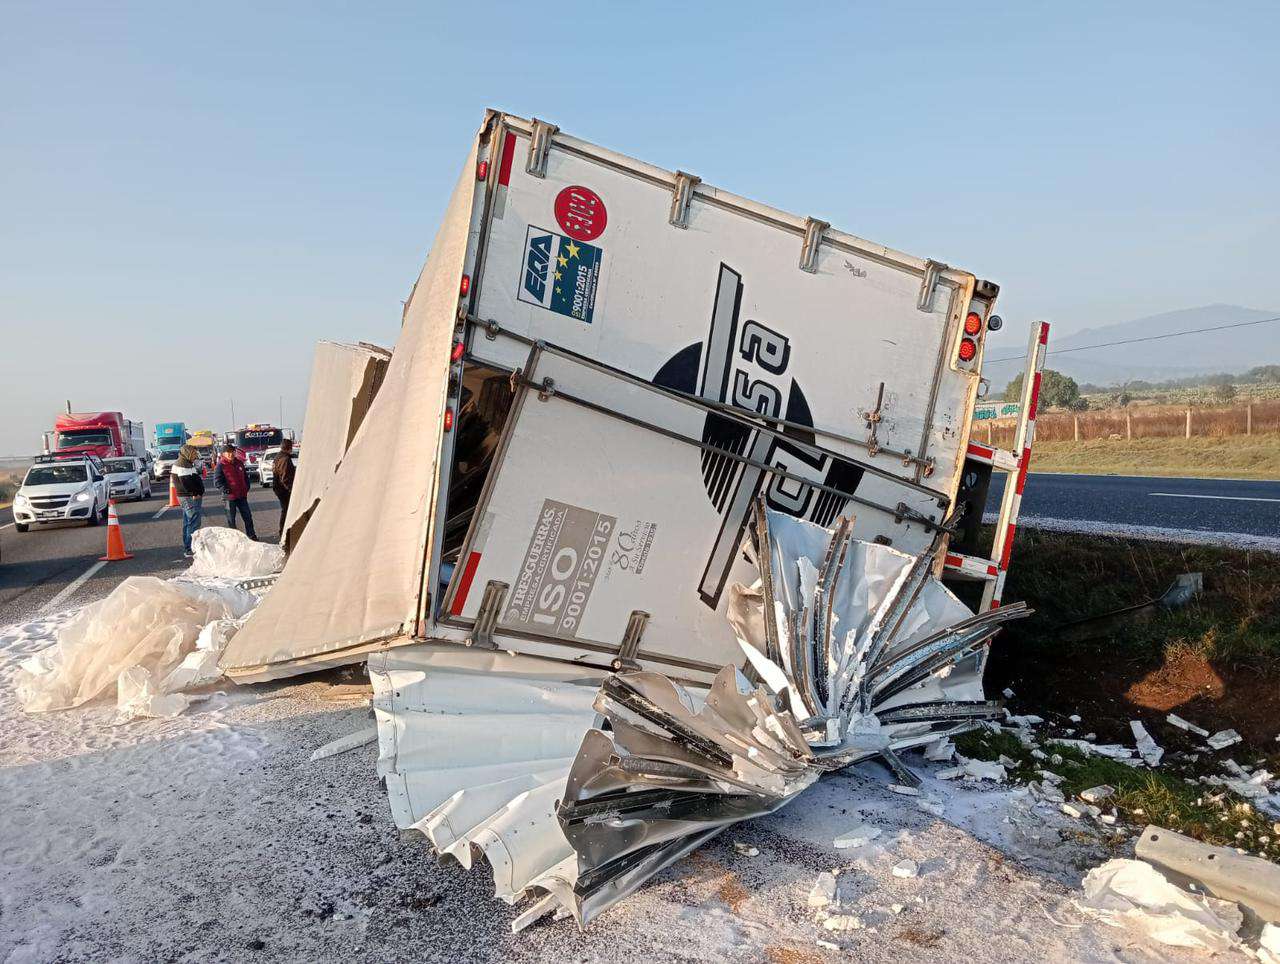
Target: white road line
x,y
84,577
1224,498
161,512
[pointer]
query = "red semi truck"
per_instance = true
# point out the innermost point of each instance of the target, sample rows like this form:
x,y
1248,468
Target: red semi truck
x,y
104,434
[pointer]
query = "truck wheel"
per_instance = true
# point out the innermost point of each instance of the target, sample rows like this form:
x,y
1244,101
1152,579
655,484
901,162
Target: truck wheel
x,y
21,526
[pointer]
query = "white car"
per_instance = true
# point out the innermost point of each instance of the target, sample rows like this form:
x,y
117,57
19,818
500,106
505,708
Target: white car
x,y
266,465
62,491
127,478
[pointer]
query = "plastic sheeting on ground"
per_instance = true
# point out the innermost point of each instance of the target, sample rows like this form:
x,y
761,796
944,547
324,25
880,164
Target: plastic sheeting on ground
x,y
223,553
1133,893
146,625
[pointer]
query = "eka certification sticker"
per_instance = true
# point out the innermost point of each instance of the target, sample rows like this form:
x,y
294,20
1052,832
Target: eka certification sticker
x,y
560,274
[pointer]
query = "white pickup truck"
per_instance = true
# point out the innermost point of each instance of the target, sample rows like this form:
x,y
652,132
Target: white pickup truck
x,y
602,365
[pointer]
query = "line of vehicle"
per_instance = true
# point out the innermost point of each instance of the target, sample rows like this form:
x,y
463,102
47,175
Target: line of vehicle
x,y
1222,498
73,586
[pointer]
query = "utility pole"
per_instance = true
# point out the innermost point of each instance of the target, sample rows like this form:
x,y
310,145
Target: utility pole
x,y
233,414
281,422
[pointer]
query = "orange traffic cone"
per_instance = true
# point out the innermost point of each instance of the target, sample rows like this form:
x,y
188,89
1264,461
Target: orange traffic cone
x,y
173,495
115,541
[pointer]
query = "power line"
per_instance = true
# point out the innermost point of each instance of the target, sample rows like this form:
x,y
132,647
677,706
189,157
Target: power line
x,y
1134,341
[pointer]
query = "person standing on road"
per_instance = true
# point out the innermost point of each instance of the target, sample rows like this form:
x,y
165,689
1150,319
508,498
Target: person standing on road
x,y
282,472
190,490
233,483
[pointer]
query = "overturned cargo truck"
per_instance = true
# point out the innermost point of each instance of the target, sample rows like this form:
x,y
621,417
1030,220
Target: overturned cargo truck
x,y
656,456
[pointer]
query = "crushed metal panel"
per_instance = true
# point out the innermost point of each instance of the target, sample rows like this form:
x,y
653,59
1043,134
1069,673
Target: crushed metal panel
x,y
344,382
355,579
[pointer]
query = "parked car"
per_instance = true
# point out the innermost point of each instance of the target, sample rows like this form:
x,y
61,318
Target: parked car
x,y
266,465
65,490
127,478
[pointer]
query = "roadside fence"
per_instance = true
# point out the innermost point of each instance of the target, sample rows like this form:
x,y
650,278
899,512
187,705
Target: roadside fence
x,y
1140,421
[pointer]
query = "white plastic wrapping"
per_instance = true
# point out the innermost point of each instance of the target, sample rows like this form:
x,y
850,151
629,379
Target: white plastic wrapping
x,y
1133,893
145,624
223,553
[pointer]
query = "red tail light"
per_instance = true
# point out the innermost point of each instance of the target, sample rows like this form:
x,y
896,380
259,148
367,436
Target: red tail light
x,y
466,284
972,323
968,348
458,349
482,171
448,419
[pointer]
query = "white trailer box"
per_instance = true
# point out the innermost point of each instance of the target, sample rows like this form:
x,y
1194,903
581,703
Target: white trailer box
x,y
602,364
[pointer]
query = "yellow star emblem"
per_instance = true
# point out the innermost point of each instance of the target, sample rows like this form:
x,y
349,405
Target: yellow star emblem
x,y
573,250
564,262
557,275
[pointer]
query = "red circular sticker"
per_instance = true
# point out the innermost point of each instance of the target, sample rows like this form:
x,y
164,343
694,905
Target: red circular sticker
x,y
580,213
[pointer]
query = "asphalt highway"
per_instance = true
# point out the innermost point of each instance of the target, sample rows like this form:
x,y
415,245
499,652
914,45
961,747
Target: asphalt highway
x,y
1228,506
55,567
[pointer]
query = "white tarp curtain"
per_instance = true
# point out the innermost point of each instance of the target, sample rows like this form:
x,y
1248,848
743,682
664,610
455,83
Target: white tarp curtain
x,y
344,381
354,580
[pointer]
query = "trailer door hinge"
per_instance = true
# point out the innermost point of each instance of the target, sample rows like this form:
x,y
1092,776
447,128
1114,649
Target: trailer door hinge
x,y
681,196
539,148
547,389
495,594
630,648
813,231
929,285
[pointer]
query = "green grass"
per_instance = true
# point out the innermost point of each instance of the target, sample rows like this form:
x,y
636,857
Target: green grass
x,y
1067,576
1160,797
1234,457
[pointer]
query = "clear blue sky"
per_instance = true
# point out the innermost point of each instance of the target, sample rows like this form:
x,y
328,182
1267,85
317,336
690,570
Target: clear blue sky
x,y
192,194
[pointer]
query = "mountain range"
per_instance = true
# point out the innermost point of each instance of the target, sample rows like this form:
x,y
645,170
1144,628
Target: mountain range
x,y
1233,350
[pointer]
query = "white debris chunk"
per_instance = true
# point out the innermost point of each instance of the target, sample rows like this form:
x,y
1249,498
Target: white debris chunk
x,y
1039,754
1175,720
823,891
1074,718
1269,944
1095,794
1147,747
904,790
975,770
344,743
906,869
1050,777
746,849
1223,739
1008,693
1133,893
1005,762
1091,736
1047,791
1074,811
940,751
1108,818
858,837
952,773
1029,720
932,805
897,908
1112,750
827,944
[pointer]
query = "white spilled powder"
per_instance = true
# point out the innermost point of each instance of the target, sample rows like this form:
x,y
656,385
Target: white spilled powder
x,y
1232,540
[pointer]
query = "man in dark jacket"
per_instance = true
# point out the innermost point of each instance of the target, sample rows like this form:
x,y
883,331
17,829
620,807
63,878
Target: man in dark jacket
x,y
190,489
282,472
233,483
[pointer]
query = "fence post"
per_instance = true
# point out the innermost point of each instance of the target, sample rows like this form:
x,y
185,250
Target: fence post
x,y
990,434
1075,422
1188,423
1128,425
1248,419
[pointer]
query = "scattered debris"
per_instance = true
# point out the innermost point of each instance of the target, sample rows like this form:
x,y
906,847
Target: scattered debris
x,y
1074,718
1182,724
1223,739
1147,747
824,890
904,791
745,849
1096,794
906,869
843,922
940,751
344,743
1112,750
1008,693
858,837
